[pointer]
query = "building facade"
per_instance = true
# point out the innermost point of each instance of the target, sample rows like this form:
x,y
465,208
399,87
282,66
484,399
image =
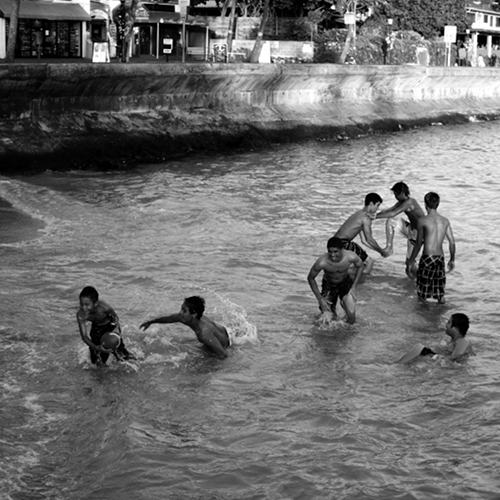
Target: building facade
x,y
56,29
482,38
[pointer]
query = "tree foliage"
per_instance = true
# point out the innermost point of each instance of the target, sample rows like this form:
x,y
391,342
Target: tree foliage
x,y
427,17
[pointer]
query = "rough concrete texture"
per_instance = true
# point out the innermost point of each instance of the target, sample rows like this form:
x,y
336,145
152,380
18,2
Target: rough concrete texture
x,y
107,115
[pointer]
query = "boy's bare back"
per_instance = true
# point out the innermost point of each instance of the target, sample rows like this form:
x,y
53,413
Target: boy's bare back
x,y
435,227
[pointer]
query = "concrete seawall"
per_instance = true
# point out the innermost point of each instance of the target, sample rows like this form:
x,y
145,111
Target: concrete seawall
x,y
85,115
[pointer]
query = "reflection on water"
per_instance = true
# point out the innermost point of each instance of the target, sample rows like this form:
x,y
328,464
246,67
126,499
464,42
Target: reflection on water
x,y
296,412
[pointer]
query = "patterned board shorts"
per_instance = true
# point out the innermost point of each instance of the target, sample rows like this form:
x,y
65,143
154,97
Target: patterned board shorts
x,y
354,247
431,277
332,291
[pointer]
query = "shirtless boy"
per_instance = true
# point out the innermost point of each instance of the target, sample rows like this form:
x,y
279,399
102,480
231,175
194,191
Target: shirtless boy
x,y
456,328
410,207
337,282
432,229
212,335
361,223
104,320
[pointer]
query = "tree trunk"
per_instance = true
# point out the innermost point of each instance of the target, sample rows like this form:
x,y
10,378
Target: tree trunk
x,y
225,6
259,41
12,39
124,18
230,30
347,45
129,29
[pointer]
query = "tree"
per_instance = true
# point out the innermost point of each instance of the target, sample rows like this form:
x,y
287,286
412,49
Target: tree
x,y
230,29
428,17
124,18
361,10
259,41
11,41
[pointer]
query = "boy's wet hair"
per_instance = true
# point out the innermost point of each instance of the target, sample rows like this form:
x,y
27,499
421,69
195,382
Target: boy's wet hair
x,y
90,292
432,200
372,198
461,322
334,242
196,305
401,188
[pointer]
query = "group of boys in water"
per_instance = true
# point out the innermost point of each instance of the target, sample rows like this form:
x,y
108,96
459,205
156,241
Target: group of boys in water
x,y
342,267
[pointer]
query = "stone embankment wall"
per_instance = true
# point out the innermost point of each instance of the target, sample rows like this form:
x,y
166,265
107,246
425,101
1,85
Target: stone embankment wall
x,y
106,115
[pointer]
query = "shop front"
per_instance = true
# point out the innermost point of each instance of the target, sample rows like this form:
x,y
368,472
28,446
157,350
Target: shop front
x,y
46,29
159,34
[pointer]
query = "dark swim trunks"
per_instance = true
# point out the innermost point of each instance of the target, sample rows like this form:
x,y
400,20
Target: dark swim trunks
x,y
431,277
332,291
354,247
427,352
96,333
409,232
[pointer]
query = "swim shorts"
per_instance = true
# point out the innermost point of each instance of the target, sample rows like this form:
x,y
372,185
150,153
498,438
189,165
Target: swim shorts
x,y
332,291
408,231
354,247
96,332
427,352
431,277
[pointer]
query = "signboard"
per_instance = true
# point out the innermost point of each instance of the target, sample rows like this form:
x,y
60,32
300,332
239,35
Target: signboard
x,y
183,6
220,52
450,34
349,18
100,53
167,44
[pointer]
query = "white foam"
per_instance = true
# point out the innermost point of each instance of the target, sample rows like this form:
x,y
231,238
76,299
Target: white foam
x,y
234,317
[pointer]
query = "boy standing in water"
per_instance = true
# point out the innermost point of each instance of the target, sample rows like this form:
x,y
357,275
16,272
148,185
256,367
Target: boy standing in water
x,y
456,328
214,336
411,208
432,228
337,282
104,320
361,223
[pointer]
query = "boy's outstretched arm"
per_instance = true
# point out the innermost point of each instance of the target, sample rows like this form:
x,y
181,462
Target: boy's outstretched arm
x,y
172,318
392,211
370,240
82,326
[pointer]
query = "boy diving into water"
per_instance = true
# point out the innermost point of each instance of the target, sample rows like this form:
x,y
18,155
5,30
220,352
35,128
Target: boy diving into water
x,y
214,336
104,337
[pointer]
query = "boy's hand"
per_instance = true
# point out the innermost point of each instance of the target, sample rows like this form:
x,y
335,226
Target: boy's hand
x,y
324,305
100,348
145,325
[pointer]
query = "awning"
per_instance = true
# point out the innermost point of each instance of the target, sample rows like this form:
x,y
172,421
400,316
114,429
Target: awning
x,y
99,14
99,10
163,17
53,11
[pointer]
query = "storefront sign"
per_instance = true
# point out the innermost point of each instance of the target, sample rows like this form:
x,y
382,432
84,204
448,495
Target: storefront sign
x,y
183,6
450,34
100,53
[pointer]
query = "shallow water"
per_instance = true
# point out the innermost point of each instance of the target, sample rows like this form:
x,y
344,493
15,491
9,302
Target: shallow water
x,y
294,412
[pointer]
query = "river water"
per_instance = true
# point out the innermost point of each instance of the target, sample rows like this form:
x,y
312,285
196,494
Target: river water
x,y
295,411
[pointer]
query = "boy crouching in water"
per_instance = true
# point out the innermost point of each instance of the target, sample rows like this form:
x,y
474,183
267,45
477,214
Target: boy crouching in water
x,y
456,328
105,336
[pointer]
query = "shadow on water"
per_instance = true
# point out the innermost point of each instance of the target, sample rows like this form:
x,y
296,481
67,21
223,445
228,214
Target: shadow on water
x,y
17,226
